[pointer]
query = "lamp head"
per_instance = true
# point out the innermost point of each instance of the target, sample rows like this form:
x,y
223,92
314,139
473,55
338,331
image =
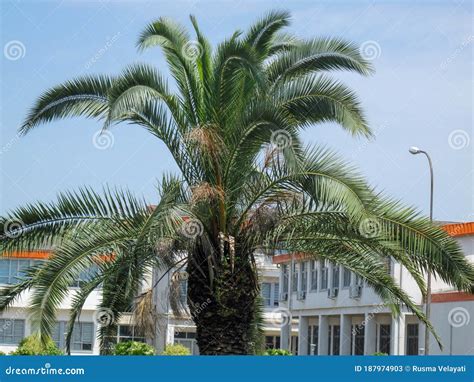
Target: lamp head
x,y
414,150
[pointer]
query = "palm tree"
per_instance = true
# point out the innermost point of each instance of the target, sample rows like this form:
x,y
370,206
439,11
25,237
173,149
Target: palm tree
x,y
245,182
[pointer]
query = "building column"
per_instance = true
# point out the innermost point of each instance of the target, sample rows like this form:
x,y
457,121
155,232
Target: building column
x,y
323,338
402,335
285,332
369,334
394,328
303,339
421,338
346,333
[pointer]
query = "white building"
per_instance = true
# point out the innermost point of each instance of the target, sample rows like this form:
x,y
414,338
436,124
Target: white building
x,y
15,323
329,309
338,314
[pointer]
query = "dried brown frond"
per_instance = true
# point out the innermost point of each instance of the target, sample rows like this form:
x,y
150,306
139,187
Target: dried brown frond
x,y
206,138
177,305
144,315
270,153
204,192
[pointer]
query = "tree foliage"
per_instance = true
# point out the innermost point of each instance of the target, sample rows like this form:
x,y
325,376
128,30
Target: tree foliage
x,y
231,120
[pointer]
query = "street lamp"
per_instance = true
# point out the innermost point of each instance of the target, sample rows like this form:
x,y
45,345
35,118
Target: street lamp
x,y
415,150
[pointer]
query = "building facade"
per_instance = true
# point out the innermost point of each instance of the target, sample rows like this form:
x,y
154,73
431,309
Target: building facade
x,y
338,314
15,322
310,308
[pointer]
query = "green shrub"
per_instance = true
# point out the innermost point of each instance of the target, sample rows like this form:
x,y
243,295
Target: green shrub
x,y
32,345
2,353
176,349
133,348
379,353
277,352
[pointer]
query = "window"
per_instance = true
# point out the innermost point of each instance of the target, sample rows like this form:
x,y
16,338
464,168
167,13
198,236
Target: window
x,y
357,339
85,276
314,275
324,277
187,339
12,270
358,280
129,333
334,336
276,292
335,276
294,345
384,339
82,335
313,334
126,333
11,331
304,277
346,278
266,294
183,290
269,293
284,277
294,278
272,342
412,339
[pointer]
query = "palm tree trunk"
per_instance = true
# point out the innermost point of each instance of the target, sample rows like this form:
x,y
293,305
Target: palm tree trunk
x,y
223,309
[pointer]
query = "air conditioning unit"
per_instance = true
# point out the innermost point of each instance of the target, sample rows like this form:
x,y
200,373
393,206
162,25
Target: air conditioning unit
x,y
355,291
283,296
332,292
301,295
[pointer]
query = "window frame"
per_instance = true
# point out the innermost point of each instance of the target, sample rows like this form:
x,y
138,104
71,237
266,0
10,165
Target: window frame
x,y
324,277
384,337
11,323
15,278
346,272
61,333
314,276
303,287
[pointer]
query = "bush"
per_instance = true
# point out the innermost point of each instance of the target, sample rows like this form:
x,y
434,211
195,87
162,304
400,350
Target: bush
x,y
176,349
32,346
277,352
2,353
133,348
379,353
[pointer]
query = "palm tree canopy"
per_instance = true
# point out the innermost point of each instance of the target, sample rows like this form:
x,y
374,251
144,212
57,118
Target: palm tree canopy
x,y
233,128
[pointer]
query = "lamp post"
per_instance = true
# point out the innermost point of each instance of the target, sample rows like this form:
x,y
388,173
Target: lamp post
x,y
415,150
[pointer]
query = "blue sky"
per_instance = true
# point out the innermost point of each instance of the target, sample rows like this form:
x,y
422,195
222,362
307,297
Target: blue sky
x,y
420,95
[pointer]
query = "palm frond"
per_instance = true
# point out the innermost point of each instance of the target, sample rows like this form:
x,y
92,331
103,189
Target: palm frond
x,y
84,96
